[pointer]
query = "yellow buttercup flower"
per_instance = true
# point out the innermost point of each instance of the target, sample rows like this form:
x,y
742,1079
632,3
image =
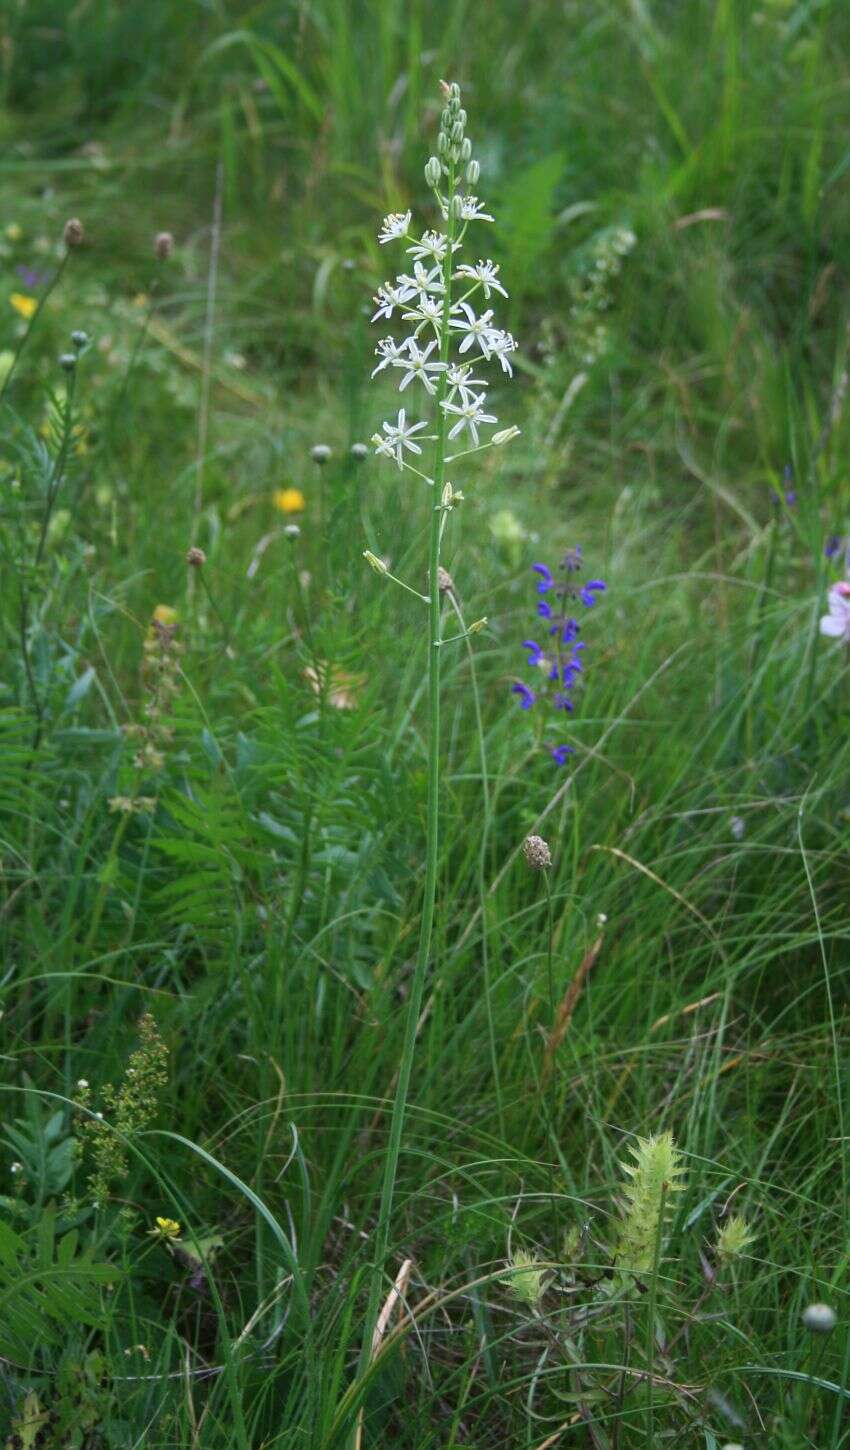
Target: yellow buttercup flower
x,y
166,1228
22,304
289,500
165,615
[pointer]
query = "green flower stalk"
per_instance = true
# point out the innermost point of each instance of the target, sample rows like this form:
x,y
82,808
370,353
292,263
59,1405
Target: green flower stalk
x,y
436,299
652,1180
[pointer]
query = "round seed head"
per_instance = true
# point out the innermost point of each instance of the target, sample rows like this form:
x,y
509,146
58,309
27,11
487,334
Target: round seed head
x,y
79,338
163,246
291,532
359,451
68,361
537,853
74,232
196,558
819,1318
320,453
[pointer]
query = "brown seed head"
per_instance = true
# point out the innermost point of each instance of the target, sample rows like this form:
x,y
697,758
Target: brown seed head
x,y
445,582
74,233
196,557
537,853
163,246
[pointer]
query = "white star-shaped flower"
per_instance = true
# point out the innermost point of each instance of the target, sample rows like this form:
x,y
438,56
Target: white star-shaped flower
x,y
399,436
433,244
418,366
389,297
430,309
423,281
469,415
500,344
477,329
458,376
484,272
471,210
836,624
394,226
390,352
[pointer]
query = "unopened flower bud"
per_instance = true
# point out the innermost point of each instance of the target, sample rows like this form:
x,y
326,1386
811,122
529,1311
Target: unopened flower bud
x,y
445,582
359,451
320,453
374,562
79,339
196,558
461,115
505,435
433,170
465,149
291,532
456,207
477,626
74,232
446,120
456,133
68,361
454,93
819,1318
163,246
473,172
442,143
537,853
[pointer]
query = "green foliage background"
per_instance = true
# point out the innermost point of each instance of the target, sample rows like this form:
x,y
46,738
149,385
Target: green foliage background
x,y
266,912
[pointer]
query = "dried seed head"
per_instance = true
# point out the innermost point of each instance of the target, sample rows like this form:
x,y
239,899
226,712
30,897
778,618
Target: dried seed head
x,y
163,246
196,558
445,582
819,1318
74,232
537,853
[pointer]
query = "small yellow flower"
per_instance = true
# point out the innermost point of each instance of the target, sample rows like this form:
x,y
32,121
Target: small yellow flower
x,y
288,500
165,615
166,1228
23,305
14,232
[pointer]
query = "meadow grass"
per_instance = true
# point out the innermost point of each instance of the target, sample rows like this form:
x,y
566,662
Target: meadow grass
x,y
265,911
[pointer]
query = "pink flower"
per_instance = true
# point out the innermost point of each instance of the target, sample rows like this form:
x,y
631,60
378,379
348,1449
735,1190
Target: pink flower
x,y
837,623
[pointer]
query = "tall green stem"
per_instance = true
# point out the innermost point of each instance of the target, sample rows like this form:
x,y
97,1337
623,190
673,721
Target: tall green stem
x,y
414,1005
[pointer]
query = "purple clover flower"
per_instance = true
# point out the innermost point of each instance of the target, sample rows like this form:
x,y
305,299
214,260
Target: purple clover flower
x,y
560,673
